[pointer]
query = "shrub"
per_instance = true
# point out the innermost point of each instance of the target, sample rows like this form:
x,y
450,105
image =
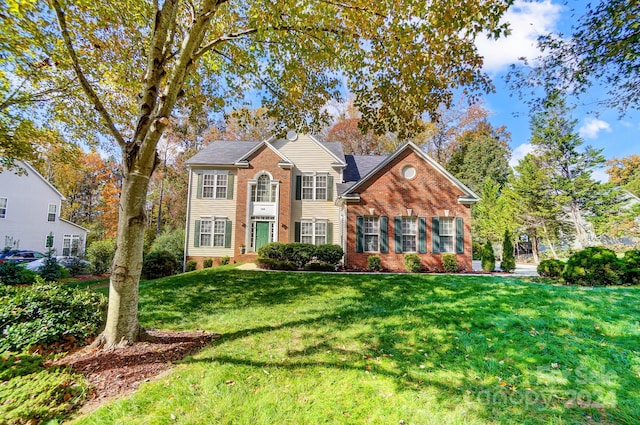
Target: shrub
x,y
488,257
329,253
450,263
100,254
301,253
50,271
225,260
412,263
46,313
594,266
632,267
374,263
508,263
551,268
12,273
273,250
191,265
319,266
77,267
271,264
207,263
173,242
159,264
476,250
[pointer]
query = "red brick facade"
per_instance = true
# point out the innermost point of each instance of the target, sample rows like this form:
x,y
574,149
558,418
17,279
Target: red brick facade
x,y
429,194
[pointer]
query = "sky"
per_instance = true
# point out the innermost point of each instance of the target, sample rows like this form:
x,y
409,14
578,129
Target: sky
x,y
598,127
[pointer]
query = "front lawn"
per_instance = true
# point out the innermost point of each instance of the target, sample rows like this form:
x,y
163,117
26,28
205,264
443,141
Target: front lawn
x,y
307,348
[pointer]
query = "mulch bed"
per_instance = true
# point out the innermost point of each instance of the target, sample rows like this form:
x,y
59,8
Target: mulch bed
x,y
120,371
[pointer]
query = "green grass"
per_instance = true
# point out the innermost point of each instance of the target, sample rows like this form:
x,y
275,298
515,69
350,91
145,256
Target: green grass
x,y
310,348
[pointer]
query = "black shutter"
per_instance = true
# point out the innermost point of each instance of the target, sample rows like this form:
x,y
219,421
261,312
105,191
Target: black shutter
x,y
435,234
422,235
397,230
359,233
384,234
297,231
298,188
459,235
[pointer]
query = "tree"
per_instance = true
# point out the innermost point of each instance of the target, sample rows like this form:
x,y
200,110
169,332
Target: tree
x,y
480,153
488,261
625,173
569,166
533,201
131,64
508,262
492,215
603,48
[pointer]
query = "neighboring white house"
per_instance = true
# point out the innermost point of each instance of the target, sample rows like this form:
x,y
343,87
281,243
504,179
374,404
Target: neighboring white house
x,y
30,212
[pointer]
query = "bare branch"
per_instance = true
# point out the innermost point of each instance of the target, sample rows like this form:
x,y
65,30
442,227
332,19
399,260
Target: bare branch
x,y
358,8
84,83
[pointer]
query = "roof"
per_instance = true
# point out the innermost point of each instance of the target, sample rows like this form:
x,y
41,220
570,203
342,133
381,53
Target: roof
x,y
222,153
468,197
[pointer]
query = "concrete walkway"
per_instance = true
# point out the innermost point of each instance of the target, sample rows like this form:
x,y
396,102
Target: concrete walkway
x,y
521,269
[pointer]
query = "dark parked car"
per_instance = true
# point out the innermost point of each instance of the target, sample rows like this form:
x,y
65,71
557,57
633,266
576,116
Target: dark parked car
x,y
7,254
23,256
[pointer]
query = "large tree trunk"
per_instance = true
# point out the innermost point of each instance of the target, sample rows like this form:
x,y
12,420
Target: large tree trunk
x,y
576,217
549,242
122,327
535,250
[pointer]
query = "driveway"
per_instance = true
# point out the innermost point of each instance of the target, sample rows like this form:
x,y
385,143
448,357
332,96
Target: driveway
x,y
521,269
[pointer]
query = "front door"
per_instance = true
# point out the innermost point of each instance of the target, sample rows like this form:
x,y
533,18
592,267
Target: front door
x,y
262,233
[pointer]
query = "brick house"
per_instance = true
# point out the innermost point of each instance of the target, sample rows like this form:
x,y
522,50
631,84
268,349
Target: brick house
x,y
243,195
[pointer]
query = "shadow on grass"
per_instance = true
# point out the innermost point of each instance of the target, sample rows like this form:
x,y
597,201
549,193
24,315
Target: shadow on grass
x,y
517,349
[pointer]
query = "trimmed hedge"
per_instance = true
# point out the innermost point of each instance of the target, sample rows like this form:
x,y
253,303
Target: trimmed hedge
x,y
101,254
450,263
191,265
551,268
207,263
12,273
412,263
319,266
373,263
594,266
46,313
271,264
298,254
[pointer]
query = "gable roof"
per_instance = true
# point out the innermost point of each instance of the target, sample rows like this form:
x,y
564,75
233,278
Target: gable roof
x,y
268,145
468,197
222,153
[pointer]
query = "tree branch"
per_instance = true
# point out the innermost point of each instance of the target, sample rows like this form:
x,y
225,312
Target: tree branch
x,y
84,83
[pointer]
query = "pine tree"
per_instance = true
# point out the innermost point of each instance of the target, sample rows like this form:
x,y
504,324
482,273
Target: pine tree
x,y
488,257
508,263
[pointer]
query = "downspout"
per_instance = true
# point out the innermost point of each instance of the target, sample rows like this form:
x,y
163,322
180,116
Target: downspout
x,y
187,222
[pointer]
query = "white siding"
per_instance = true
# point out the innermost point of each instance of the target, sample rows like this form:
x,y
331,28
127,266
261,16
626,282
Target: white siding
x,y
210,208
26,222
309,157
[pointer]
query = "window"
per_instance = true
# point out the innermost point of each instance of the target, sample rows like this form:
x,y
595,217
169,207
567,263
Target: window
x,y
409,234
219,232
214,186
316,187
53,209
264,190
313,232
70,245
447,233
371,232
205,232
213,232
3,208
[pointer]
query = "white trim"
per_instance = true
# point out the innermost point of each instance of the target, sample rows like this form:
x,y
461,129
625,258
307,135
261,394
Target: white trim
x,y
259,145
74,224
339,161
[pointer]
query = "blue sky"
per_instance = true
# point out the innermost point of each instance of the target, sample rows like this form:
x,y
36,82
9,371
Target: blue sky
x,y
530,19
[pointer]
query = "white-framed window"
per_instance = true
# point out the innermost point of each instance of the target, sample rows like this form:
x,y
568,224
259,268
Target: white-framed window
x,y
219,227
53,211
264,190
3,207
213,232
409,234
214,186
447,234
313,232
205,232
314,187
371,232
70,244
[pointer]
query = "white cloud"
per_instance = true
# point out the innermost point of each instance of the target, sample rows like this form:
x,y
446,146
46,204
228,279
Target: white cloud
x,y
527,20
519,153
592,127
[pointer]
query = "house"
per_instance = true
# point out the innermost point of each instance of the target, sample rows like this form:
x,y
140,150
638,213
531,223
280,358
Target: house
x,y
243,195
30,213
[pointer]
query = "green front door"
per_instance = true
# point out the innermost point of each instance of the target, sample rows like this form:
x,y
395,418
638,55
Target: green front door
x,y
262,233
